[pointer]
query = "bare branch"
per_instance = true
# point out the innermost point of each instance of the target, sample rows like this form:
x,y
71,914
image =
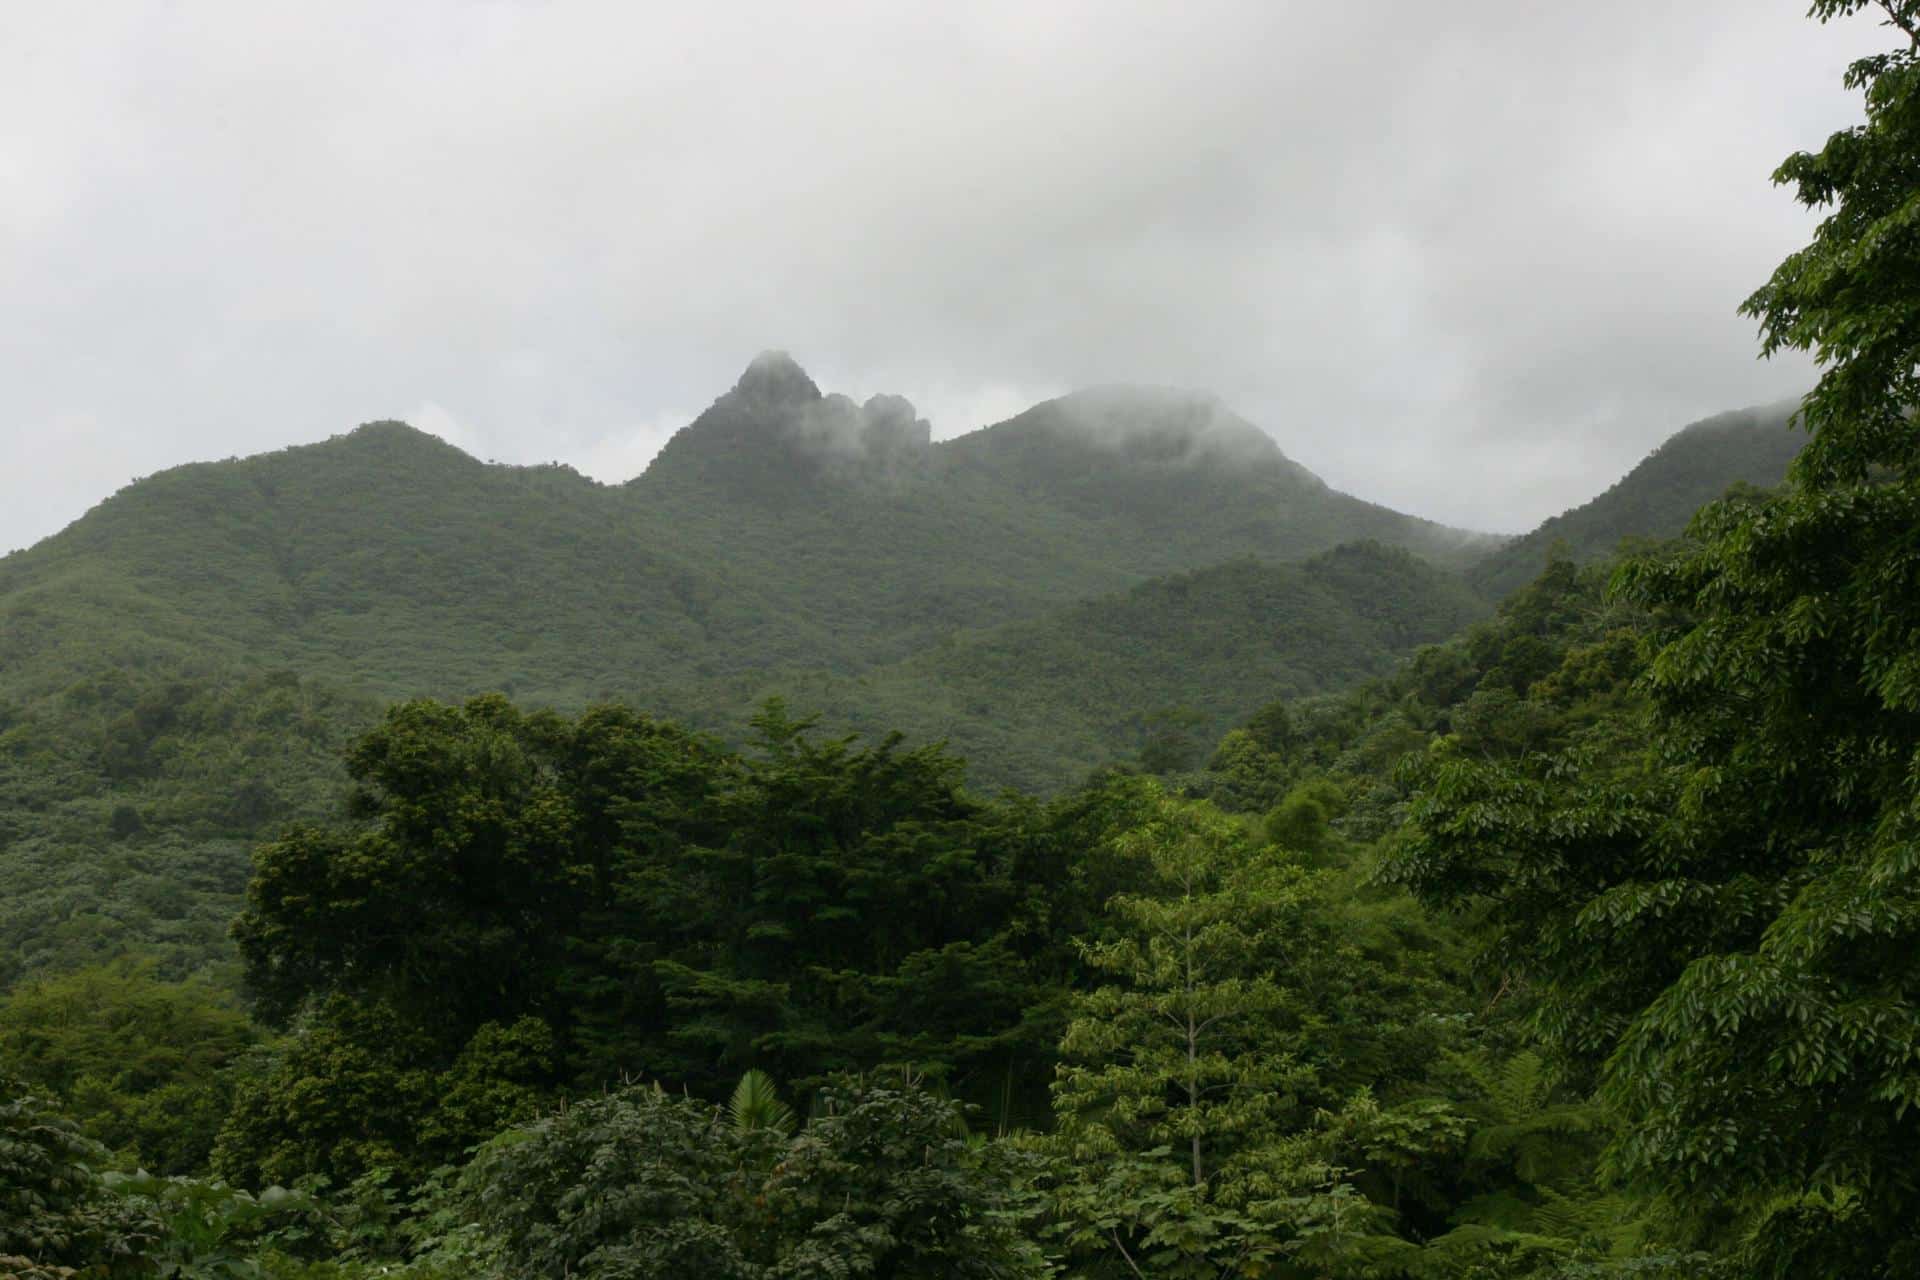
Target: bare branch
x,y
1131,1266
1897,19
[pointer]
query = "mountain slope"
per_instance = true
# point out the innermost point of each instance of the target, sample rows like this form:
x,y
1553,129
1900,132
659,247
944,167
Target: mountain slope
x,y
847,516
389,561
1178,479
180,666
1656,498
1038,704
782,529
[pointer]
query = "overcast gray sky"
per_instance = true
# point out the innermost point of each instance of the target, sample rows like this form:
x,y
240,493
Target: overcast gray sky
x,y
1471,260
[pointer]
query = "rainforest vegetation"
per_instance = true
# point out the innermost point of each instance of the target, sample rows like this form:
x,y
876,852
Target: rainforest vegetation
x,y
1314,895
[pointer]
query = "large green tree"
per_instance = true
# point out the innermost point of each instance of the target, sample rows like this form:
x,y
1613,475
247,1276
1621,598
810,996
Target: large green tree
x,y
516,901
1187,1128
1726,927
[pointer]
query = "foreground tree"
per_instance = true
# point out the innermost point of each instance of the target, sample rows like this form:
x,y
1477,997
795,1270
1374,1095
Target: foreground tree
x,y
523,903
55,1209
1727,929
1187,1131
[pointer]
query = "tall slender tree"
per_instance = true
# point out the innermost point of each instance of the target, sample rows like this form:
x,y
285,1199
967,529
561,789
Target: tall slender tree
x,y
1181,1115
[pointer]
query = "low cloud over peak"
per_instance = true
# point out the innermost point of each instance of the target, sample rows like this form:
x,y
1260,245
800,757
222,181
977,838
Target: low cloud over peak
x,y
1471,263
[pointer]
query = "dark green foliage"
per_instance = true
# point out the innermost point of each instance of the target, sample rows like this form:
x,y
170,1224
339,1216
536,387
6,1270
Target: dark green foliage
x,y
54,1208
532,900
1726,924
484,832
347,1091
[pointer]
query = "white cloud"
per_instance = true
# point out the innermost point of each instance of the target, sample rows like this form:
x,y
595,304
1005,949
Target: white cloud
x,y
624,453
1472,260
437,420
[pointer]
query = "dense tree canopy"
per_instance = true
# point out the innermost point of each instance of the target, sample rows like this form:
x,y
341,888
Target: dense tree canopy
x,y
620,898
1725,926
1582,944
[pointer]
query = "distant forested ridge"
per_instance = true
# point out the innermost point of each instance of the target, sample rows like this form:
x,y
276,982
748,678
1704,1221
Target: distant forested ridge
x,y
1658,497
1158,672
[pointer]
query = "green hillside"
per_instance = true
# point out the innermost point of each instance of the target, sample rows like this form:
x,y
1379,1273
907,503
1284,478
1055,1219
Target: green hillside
x,y
1108,577
1656,498
846,515
1153,672
179,668
782,528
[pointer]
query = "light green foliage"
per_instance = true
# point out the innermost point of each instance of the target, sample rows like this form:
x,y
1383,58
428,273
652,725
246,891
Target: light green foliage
x,y
756,1105
641,1183
206,1230
1185,1122
1187,974
139,1063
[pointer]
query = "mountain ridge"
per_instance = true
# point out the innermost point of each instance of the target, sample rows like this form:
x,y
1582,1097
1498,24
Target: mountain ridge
x,y
1657,497
180,667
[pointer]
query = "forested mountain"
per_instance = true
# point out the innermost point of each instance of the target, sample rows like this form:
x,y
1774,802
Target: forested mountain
x,y
782,527
500,906
1657,497
1154,673
179,668
1583,944
846,516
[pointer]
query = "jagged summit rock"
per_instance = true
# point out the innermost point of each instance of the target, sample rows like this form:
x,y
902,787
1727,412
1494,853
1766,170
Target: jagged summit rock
x,y
774,434
774,377
895,418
